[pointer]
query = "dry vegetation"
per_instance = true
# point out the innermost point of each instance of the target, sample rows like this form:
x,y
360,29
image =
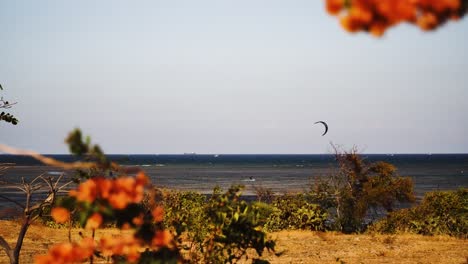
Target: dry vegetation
x,y
298,246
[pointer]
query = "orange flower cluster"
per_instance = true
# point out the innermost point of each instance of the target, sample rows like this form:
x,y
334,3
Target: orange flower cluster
x,y
68,252
375,16
162,238
123,246
118,192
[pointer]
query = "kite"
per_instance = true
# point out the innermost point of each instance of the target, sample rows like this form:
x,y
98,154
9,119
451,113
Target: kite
x,y
326,126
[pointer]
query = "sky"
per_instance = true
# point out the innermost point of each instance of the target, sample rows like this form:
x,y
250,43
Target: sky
x,y
211,76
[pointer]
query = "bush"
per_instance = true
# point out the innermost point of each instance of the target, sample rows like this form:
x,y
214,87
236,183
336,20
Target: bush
x,y
186,216
359,186
235,226
295,211
440,212
216,230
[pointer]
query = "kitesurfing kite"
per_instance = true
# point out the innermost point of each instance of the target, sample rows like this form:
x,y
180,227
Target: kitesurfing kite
x,y
326,126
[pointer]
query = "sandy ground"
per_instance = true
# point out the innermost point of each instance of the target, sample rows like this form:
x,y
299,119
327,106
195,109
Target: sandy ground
x,y
297,246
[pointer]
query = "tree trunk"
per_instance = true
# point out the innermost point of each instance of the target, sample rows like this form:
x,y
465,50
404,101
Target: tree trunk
x,y
19,242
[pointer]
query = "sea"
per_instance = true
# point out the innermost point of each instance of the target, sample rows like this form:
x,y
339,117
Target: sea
x,y
280,173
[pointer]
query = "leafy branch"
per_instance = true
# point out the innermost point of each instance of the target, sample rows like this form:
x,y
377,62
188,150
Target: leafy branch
x,y
7,117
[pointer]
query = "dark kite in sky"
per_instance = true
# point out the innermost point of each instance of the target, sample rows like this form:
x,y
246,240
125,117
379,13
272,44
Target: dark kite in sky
x,y
326,126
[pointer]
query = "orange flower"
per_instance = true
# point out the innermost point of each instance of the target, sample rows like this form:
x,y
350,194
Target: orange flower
x,y
60,214
162,239
334,6
361,13
125,184
142,179
104,186
67,252
349,24
120,245
62,252
87,191
375,16
377,29
158,214
119,200
94,221
427,21
84,249
138,220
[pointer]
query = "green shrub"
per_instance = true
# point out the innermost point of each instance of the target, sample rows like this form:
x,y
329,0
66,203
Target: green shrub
x,y
185,215
235,226
440,212
295,211
215,230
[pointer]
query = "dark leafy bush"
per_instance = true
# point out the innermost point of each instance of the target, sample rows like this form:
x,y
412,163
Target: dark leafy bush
x,y
440,212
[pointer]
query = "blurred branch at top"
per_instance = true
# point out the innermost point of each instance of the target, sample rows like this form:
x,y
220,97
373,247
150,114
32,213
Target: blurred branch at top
x,y
376,16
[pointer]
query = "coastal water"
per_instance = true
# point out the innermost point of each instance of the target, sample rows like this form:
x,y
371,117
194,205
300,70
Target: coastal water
x,y
281,173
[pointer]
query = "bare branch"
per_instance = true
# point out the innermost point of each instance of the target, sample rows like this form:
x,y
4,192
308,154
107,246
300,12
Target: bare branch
x,y
57,181
64,185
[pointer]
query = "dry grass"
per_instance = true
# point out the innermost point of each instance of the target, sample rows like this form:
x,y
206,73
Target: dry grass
x,y
298,246
330,247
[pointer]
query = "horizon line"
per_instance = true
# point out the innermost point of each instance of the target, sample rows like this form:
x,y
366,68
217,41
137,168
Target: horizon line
x,y
206,154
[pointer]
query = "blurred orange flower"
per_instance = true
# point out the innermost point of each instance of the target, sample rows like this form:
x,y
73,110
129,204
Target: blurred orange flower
x,y
120,245
376,16
87,191
60,214
158,214
162,239
67,252
94,221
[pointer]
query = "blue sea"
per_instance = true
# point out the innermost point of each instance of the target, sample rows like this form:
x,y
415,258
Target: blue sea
x,y
281,173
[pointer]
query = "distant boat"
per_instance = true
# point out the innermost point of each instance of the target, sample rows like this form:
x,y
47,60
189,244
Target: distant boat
x,y
250,179
190,153
216,155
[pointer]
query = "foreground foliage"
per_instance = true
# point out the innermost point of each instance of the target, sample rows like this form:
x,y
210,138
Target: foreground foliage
x,y
129,202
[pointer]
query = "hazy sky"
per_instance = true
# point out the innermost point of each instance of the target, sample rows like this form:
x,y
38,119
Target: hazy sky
x,y
218,76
